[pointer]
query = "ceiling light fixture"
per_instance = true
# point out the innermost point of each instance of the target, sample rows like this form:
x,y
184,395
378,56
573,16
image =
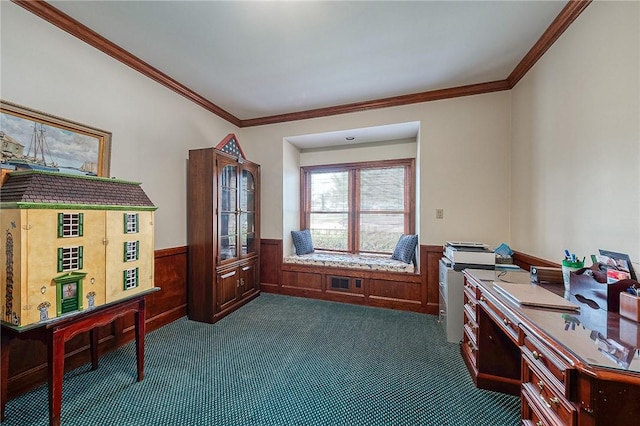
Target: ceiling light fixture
x,y
349,138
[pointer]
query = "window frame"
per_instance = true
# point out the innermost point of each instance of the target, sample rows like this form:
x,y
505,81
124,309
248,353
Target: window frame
x,y
354,169
70,258
70,225
130,279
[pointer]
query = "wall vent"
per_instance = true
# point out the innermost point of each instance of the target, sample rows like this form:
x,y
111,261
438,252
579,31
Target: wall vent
x,y
339,283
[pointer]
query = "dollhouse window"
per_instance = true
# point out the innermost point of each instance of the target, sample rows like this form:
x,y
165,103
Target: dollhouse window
x,y
131,251
131,223
130,278
70,224
69,258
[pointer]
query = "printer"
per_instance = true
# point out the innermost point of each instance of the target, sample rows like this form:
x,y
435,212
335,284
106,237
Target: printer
x,y
473,255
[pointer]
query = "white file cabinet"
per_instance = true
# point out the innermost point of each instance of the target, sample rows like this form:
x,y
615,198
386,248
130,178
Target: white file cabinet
x,y
451,301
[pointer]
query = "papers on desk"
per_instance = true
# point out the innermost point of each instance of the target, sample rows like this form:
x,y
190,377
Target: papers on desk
x,y
531,295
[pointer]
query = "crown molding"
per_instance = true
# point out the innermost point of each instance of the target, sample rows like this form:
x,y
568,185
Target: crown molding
x,y
54,16
567,15
432,95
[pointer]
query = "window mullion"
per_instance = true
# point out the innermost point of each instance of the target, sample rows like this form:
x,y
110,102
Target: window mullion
x,y
354,210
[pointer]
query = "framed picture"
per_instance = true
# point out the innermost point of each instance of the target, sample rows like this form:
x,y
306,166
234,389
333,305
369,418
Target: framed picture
x,y
617,262
35,140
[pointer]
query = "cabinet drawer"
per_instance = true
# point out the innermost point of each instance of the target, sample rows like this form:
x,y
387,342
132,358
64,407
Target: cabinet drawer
x,y
550,400
549,365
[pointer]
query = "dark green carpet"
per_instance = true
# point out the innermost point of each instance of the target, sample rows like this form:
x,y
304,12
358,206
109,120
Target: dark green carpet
x,y
281,361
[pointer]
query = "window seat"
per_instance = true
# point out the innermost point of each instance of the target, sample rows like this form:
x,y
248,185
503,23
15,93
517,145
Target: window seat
x,y
348,260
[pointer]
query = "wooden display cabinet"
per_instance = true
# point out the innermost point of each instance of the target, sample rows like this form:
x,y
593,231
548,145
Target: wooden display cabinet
x,y
223,230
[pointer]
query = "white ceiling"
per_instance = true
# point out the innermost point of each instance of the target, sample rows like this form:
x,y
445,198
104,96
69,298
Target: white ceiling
x,y
258,59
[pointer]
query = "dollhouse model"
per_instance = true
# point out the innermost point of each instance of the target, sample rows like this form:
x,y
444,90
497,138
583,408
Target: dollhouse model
x,y
70,243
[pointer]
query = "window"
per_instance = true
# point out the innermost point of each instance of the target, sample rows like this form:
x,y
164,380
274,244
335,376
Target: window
x,y
69,258
130,278
131,251
130,223
358,207
70,224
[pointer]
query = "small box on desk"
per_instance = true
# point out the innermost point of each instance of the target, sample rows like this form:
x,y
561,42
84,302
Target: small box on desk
x,y
544,274
586,291
630,306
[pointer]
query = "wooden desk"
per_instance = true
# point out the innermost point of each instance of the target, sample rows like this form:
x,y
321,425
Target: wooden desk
x,y
569,368
55,333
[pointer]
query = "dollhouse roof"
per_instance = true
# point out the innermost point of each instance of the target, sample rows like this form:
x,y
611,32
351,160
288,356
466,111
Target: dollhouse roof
x,y
37,187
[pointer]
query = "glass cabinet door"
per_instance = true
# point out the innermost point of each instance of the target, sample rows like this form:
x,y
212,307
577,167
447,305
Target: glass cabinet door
x,y
228,213
247,213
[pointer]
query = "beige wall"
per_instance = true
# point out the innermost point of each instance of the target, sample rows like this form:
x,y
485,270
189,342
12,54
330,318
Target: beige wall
x,y
153,128
463,157
576,140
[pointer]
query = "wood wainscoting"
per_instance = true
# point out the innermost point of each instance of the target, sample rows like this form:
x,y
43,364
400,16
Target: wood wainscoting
x,y
526,261
28,359
411,292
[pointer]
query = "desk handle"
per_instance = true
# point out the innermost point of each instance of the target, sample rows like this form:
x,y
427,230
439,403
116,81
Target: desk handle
x,y
539,423
482,299
552,401
506,321
540,385
536,355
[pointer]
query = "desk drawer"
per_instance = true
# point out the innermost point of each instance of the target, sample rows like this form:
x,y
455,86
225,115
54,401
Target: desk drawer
x,y
470,305
555,371
470,346
508,324
550,400
469,322
531,413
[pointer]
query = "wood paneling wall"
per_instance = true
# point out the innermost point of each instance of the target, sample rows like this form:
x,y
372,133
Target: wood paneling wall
x,y
271,272
28,359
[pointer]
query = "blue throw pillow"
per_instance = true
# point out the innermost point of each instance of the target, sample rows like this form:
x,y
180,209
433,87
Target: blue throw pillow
x,y
302,241
406,249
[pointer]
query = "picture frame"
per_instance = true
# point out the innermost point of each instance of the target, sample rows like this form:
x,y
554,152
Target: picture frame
x,y
33,139
621,262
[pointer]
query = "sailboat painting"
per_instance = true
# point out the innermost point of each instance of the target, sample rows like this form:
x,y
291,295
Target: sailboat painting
x,y
33,140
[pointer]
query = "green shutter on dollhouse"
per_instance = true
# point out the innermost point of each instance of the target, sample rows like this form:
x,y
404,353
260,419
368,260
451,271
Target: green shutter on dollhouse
x,y
60,257
124,279
80,257
60,227
137,221
125,221
80,224
124,254
137,250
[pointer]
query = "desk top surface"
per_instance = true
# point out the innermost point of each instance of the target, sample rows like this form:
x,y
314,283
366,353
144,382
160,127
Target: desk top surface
x,y
596,337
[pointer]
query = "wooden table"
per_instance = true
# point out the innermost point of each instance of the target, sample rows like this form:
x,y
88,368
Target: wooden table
x,y
57,332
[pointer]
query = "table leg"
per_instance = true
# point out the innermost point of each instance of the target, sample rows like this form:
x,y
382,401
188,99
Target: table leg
x,y
140,333
95,354
4,373
56,374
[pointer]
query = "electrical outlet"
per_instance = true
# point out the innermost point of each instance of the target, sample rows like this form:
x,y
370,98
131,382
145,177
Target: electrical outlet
x,y
439,213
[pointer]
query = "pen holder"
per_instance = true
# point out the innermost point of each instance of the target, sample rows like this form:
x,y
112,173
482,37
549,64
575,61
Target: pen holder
x,y
567,268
